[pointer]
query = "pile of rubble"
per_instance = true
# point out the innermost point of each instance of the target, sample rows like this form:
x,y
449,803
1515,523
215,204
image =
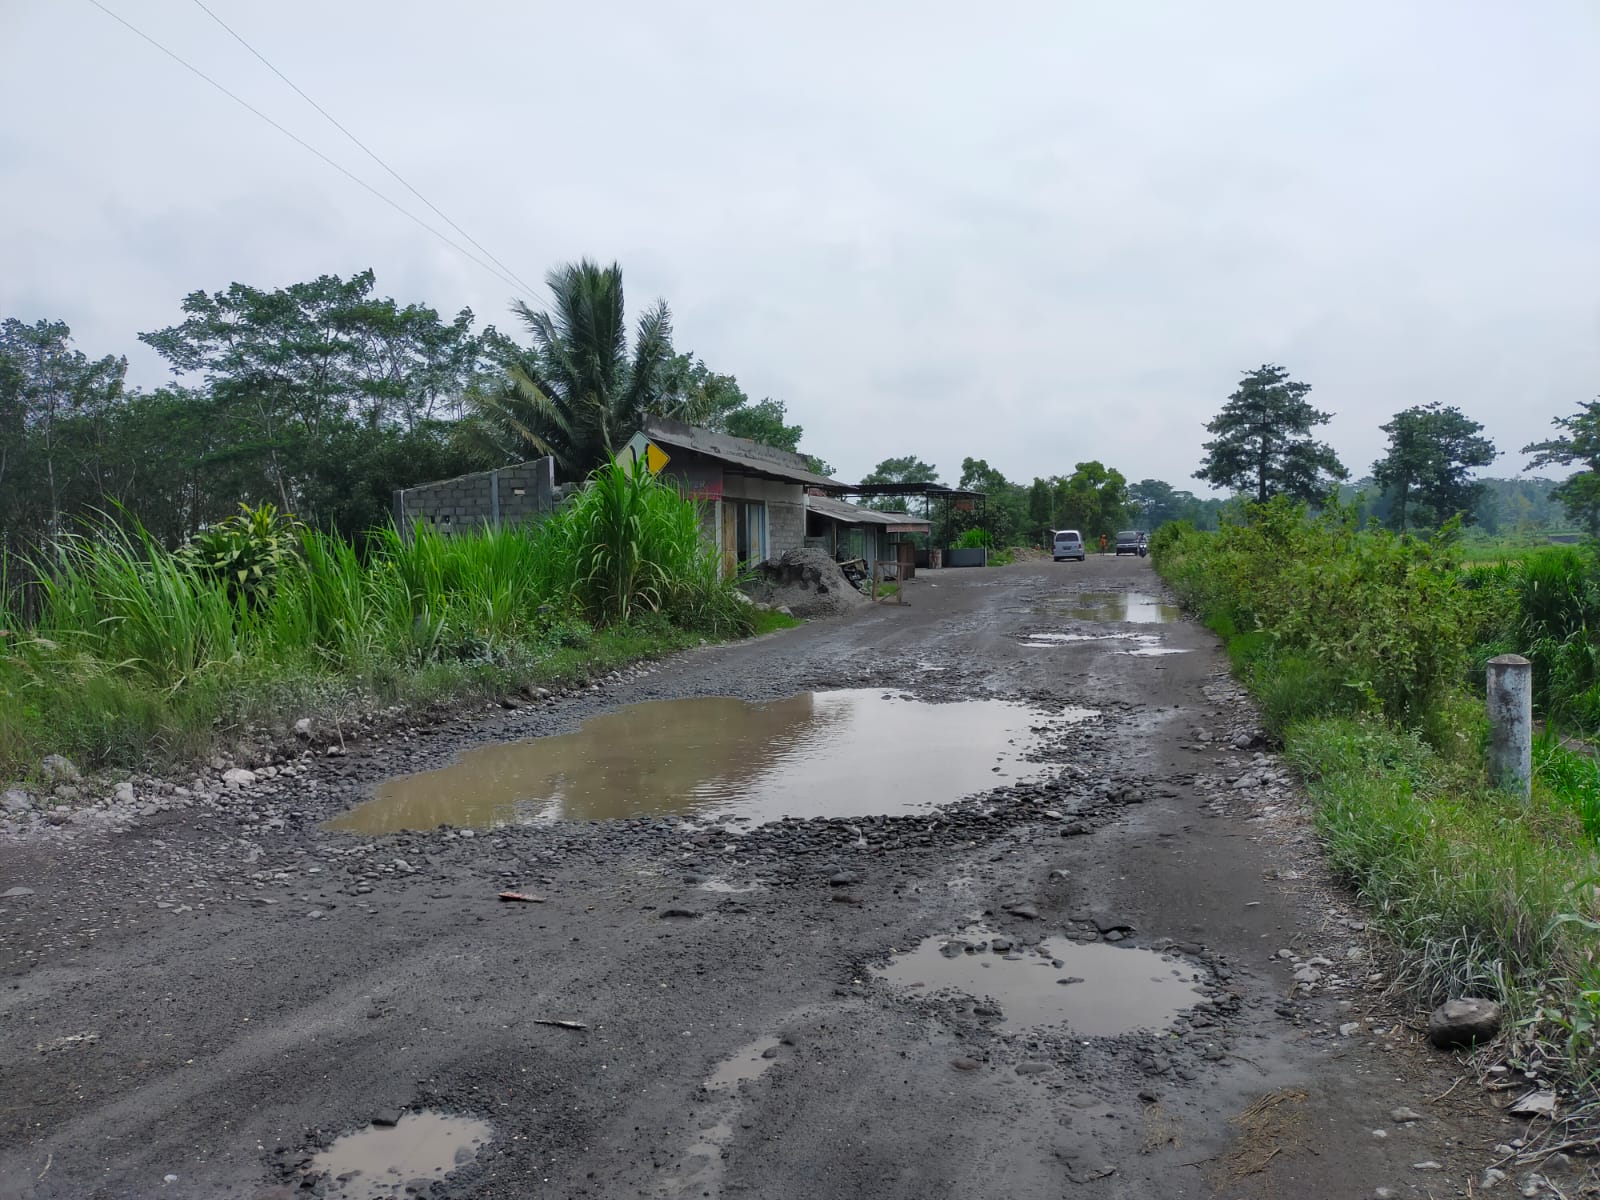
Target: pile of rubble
x,y
805,581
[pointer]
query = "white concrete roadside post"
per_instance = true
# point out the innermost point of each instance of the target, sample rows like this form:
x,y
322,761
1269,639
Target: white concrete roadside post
x,y
1511,723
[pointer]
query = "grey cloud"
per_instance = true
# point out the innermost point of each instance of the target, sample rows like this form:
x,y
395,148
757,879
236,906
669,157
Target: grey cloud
x,y
1034,235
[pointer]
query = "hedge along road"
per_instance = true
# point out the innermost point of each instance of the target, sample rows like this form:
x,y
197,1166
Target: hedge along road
x,y
1118,969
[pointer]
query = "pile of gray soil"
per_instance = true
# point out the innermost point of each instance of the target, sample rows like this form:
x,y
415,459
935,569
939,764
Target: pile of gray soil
x,y
805,581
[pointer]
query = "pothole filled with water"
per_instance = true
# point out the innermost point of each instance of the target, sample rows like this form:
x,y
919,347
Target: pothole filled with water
x,y
384,1160
1136,608
1097,990
1141,645
819,754
747,1064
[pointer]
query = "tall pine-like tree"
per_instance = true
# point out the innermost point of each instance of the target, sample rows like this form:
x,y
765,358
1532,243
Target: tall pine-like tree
x,y
1263,443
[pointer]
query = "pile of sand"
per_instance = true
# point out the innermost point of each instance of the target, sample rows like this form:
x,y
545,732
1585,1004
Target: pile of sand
x,y
806,582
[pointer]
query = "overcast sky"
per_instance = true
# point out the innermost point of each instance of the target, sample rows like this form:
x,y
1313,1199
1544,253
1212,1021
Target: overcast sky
x,y
1032,233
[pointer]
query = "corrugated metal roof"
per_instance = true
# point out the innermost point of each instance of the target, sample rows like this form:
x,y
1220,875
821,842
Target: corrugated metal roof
x,y
856,515
739,453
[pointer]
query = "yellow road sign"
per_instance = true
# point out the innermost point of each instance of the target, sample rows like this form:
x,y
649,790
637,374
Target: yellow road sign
x,y
642,449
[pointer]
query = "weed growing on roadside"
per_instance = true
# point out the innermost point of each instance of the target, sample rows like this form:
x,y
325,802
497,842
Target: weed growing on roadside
x,y
138,655
1360,646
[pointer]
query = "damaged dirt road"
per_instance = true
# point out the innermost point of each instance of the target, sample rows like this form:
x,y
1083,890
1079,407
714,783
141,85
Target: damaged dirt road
x,y
1111,968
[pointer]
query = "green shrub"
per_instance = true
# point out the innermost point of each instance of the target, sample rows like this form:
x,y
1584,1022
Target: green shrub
x,y
1378,615
247,552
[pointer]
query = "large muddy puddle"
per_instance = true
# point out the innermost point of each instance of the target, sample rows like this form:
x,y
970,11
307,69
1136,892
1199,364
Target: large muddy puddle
x,y
1096,990
819,754
400,1159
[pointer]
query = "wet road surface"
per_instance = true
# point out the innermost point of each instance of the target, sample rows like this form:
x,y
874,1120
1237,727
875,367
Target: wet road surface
x,y
835,974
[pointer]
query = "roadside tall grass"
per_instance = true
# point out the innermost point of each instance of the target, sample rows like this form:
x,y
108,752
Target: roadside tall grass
x,y
1361,648
1485,894
135,656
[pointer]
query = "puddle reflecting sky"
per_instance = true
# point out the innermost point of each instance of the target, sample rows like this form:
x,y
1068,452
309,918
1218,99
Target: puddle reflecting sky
x,y
381,1160
818,754
1114,990
1134,607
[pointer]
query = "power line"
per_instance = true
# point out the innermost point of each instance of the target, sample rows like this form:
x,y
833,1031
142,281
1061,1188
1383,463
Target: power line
x,y
367,150
495,271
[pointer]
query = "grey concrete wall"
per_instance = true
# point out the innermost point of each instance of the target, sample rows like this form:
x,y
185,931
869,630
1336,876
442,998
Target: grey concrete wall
x,y
508,495
786,527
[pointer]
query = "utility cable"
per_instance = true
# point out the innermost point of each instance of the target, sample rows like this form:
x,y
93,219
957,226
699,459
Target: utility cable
x,y
367,150
495,271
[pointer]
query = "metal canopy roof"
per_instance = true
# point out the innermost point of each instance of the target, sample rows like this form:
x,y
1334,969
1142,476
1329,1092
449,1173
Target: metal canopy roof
x,y
935,490
838,510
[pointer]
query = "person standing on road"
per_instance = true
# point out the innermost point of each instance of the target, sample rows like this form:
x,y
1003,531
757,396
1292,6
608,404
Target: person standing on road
x,y
1102,543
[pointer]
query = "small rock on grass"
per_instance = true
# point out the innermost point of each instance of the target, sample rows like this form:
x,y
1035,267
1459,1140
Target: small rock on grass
x,y
57,768
1462,1022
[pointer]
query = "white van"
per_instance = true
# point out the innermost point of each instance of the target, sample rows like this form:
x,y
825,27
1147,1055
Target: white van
x,y
1068,544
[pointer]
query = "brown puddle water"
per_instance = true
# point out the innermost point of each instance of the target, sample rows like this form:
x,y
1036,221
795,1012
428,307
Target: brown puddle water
x,y
1133,607
1098,991
819,754
381,1160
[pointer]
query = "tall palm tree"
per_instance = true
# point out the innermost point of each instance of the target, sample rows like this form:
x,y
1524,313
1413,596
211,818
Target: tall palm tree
x,y
577,394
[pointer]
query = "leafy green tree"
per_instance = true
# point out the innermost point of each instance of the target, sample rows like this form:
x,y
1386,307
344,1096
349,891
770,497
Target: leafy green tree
x,y
905,469
1263,442
301,382
693,393
48,386
1518,505
1154,503
764,422
1005,511
1424,472
818,466
1579,444
580,392
1041,510
1093,500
